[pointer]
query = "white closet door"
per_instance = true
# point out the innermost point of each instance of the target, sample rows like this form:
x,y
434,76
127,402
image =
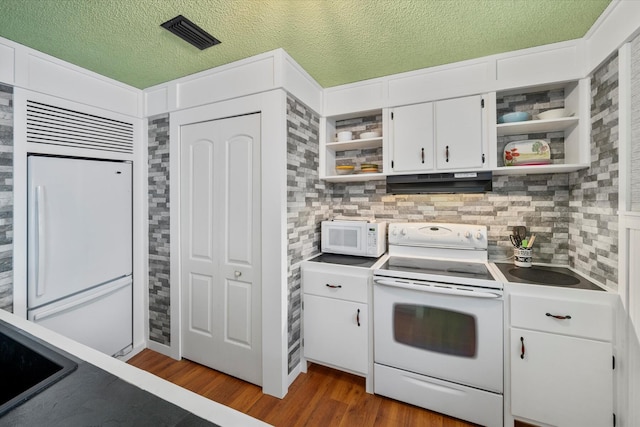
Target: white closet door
x,y
220,245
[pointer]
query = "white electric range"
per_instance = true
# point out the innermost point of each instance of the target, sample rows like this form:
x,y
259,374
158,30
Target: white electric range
x,y
438,322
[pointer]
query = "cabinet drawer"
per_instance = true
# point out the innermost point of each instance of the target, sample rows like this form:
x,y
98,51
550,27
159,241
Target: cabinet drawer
x,y
587,319
343,286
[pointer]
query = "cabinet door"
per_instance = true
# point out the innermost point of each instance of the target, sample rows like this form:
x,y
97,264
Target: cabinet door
x,y
335,332
458,124
412,135
561,380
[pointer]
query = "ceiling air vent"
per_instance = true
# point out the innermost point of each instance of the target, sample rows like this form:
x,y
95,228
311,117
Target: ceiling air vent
x,y
190,32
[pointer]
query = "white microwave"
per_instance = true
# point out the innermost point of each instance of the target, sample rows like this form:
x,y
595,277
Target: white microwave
x,y
361,238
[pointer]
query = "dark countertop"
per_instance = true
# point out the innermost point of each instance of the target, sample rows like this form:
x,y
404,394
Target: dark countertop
x,y
104,391
546,276
91,396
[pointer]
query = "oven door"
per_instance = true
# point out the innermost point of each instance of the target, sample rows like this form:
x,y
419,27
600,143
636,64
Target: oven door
x,y
451,333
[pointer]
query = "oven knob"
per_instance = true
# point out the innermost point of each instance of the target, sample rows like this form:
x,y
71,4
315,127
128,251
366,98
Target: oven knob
x,y
403,232
394,231
479,235
467,234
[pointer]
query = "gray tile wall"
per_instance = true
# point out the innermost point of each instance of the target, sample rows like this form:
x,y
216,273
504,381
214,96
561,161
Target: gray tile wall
x,y
6,198
540,202
593,230
159,255
307,206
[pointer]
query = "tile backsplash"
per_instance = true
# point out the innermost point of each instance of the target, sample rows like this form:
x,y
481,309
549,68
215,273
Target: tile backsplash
x,y
6,198
539,202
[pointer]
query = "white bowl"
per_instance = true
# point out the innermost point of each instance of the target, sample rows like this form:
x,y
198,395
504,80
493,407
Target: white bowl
x,y
368,135
556,113
344,170
345,136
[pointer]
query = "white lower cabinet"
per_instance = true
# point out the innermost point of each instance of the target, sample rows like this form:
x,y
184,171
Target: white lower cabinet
x,y
561,360
335,332
560,380
335,318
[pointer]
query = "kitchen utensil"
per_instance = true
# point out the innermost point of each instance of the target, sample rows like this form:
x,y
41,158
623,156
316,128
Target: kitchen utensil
x,y
345,135
367,135
518,116
520,231
527,152
516,241
533,238
555,113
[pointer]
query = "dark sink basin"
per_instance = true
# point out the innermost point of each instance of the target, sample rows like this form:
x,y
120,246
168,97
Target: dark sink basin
x,y
27,367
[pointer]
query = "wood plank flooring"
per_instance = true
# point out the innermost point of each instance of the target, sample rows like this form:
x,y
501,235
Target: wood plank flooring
x,y
321,397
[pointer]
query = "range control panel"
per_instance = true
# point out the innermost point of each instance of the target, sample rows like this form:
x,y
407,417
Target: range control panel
x,y
438,235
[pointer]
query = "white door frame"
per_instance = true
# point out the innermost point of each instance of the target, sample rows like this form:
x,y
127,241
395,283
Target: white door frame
x,y
272,106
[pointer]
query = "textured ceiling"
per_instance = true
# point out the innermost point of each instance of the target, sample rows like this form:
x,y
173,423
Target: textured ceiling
x,y
336,41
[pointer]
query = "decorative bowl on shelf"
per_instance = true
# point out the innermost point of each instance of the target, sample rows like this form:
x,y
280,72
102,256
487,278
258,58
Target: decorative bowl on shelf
x,y
345,136
556,113
527,153
518,116
368,168
368,135
344,169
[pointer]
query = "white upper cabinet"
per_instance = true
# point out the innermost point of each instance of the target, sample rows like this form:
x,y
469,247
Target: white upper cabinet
x,y
438,136
412,133
459,133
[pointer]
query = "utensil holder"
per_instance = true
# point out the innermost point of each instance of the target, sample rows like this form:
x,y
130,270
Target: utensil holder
x,y
522,257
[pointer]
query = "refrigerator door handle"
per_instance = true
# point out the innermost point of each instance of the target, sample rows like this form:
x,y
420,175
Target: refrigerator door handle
x,y
39,243
78,301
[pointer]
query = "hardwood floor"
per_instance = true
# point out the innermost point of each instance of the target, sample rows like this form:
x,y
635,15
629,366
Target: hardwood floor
x,y
321,397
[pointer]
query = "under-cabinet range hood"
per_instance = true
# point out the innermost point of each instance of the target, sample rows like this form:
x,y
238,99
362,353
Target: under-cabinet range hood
x,y
465,182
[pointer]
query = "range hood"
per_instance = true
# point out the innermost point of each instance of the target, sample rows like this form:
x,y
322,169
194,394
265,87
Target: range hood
x,y
461,182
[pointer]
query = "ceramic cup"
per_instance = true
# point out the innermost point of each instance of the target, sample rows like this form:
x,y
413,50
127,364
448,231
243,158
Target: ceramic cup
x,y
522,257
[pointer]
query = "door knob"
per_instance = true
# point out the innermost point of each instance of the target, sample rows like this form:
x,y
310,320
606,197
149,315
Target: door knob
x,y
237,274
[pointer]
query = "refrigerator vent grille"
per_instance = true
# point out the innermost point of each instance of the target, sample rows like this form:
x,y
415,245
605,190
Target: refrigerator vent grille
x,y
48,124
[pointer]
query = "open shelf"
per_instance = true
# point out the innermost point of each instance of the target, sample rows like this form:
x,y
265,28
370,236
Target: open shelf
x,y
537,126
538,169
356,177
356,144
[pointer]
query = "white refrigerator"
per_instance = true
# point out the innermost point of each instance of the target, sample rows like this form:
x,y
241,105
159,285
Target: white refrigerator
x,y
80,250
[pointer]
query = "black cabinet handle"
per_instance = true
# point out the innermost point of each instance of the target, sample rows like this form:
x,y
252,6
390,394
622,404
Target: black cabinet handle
x,y
422,155
521,347
446,152
358,317
558,317
333,286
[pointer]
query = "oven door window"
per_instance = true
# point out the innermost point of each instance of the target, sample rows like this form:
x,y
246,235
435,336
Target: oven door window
x,y
435,329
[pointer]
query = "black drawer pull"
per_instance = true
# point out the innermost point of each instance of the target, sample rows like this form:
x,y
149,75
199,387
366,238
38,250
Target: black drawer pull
x,y
522,348
358,317
333,286
558,317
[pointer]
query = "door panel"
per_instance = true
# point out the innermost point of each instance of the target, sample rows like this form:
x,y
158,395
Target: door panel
x,y
220,260
240,206
200,209
200,293
239,312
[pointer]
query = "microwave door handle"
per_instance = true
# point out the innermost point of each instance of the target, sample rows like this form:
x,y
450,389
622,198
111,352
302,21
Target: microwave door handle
x,y
436,289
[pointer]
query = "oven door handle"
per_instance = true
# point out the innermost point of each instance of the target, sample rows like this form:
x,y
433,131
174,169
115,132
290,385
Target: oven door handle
x,y
437,289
